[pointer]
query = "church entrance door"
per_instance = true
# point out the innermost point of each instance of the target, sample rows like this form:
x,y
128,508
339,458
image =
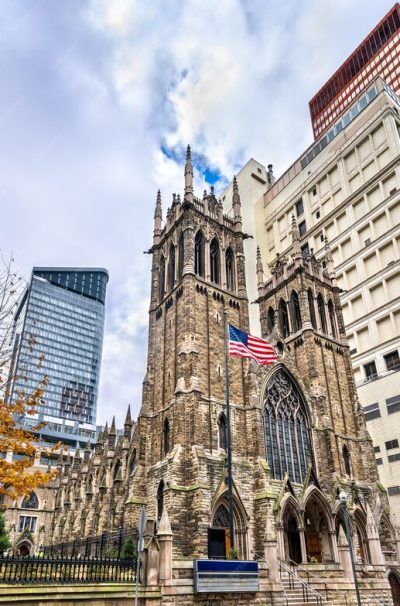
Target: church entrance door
x,y
313,546
395,587
294,541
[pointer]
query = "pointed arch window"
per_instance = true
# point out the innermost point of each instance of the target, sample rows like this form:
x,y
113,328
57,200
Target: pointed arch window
x,y
346,460
171,267
160,500
295,309
332,318
30,501
132,464
166,437
214,261
321,312
222,431
181,253
117,475
270,320
161,286
199,254
230,269
312,309
283,319
286,427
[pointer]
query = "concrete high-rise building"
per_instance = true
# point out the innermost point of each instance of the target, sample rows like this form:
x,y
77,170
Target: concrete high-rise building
x,y
377,55
349,193
60,321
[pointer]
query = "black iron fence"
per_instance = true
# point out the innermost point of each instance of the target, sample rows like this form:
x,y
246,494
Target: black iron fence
x,y
59,570
108,558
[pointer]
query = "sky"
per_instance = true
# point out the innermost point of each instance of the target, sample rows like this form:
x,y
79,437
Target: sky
x,y
99,99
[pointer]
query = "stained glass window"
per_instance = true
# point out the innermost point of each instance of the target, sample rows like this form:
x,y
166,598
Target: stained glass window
x,y
162,279
230,271
283,319
321,312
30,502
295,309
286,427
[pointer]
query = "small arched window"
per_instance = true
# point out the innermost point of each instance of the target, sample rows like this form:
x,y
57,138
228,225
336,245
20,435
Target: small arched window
x,y
283,319
161,286
199,254
160,500
311,308
30,502
346,460
166,437
171,267
89,485
222,431
332,318
230,269
181,252
132,464
295,309
214,261
270,320
117,475
321,312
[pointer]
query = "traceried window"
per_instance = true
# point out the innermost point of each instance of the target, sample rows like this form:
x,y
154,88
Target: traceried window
x,y
295,309
171,267
27,523
214,261
321,313
199,254
283,319
311,308
222,431
332,319
270,319
230,269
30,502
161,286
286,427
181,252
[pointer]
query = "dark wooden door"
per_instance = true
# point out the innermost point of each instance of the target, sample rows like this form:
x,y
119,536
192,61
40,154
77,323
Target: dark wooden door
x,y
313,546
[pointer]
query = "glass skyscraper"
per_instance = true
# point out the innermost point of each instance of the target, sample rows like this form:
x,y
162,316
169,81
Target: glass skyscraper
x,y
60,322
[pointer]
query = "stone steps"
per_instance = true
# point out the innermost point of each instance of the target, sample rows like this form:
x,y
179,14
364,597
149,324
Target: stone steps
x,y
296,593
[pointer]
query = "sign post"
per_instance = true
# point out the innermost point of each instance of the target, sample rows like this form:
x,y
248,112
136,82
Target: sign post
x,y
140,545
228,436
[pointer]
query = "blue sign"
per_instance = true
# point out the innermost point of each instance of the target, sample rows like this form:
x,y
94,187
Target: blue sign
x,y
226,576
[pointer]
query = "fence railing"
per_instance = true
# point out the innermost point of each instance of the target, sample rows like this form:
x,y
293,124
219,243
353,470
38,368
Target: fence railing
x,y
59,570
107,545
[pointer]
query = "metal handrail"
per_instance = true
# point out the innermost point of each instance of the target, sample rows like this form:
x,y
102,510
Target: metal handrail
x,y
309,574
305,586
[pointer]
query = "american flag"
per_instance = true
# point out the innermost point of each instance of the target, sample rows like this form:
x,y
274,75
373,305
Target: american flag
x,y
246,346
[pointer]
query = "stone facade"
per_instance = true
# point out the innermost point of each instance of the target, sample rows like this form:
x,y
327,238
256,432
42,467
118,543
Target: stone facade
x,y
297,431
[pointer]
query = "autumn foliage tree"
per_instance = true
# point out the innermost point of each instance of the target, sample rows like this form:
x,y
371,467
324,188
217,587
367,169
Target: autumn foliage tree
x,y
17,478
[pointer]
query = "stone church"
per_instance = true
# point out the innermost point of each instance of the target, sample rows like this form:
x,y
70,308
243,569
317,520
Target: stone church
x,y
298,434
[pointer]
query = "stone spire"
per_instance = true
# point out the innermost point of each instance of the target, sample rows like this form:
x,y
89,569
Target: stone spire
x,y
188,176
259,269
112,434
87,452
128,423
237,211
157,217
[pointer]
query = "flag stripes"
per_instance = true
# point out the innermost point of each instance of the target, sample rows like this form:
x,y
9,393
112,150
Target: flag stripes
x,y
247,346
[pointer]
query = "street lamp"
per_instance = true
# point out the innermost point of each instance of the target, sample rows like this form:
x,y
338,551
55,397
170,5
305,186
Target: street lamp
x,y
343,502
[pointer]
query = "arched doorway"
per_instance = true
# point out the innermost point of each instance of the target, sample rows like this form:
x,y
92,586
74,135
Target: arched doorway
x,y
317,527
293,539
23,550
219,540
395,588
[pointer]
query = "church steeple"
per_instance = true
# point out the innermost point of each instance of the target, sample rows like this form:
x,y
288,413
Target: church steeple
x,y
188,176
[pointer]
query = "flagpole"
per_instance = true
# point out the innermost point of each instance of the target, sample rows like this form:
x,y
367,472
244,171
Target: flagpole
x,y
228,433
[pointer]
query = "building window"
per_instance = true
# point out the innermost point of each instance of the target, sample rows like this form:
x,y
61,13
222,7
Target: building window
x,y
286,427
311,308
222,432
214,261
181,252
377,448
305,250
199,254
132,464
391,444
379,461
230,269
299,207
346,460
160,500
392,360
30,502
270,320
283,319
370,371
117,475
321,312
332,318
162,279
302,229
393,490
27,523
171,267
393,404
372,412
166,436
393,458
295,309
